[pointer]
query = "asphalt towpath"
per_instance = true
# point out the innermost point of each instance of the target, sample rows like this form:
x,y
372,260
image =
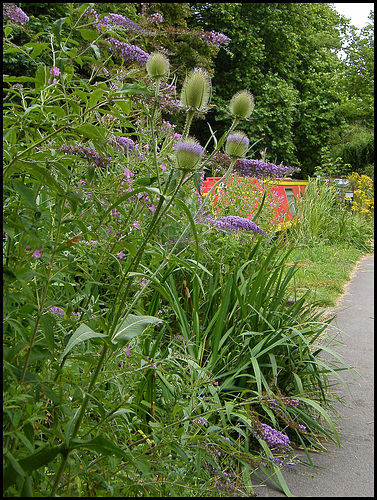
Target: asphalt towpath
x,y
347,471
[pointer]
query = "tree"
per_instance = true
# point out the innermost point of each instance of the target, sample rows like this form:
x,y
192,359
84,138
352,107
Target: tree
x,y
286,55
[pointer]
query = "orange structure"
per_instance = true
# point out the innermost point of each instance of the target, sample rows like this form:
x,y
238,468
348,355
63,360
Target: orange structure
x,y
288,189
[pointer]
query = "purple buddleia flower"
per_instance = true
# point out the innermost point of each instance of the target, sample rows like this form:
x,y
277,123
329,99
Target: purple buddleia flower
x,y
274,438
57,311
89,154
259,168
126,144
130,53
233,223
115,20
215,38
14,14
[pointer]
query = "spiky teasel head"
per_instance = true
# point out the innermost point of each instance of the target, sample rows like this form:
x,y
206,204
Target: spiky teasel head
x,y
188,153
242,104
196,90
157,65
237,144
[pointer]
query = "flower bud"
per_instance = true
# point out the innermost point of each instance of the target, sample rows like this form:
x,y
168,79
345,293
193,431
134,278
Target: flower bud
x,y
157,65
196,89
188,153
242,104
236,144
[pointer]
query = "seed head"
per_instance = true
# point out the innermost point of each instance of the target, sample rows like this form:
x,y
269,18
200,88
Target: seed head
x,y
157,65
236,144
242,104
188,153
196,89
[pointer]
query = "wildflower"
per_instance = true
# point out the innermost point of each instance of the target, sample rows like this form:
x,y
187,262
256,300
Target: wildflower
x,y
302,429
188,154
196,90
157,65
14,14
155,18
273,437
130,53
261,169
242,104
163,167
120,255
215,38
55,71
27,247
37,253
201,421
135,225
127,351
85,152
233,223
236,144
57,311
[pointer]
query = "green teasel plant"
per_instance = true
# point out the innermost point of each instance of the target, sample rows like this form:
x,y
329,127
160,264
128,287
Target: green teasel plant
x,y
76,253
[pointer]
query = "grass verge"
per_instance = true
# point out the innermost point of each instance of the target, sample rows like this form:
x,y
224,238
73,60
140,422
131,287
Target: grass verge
x,y
323,270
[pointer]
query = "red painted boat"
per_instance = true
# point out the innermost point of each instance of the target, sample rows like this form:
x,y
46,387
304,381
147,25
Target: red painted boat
x,y
288,189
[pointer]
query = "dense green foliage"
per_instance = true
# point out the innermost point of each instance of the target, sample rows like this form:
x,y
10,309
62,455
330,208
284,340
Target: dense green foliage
x,y
286,54
147,350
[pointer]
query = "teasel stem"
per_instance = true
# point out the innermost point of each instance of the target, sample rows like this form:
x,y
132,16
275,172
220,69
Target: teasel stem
x,y
189,117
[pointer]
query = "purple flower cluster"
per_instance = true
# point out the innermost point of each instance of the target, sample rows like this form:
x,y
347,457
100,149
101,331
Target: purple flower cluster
x,y
201,421
292,403
251,168
130,53
126,144
14,14
57,311
155,18
260,169
89,154
233,223
215,38
274,438
115,20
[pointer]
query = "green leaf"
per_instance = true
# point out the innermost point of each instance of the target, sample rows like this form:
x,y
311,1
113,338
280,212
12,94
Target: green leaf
x,y
95,96
26,193
100,445
57,28
123,106
145,181
96,51
37,47
134,88
132,326
82,333
35,460
88,34
56,110
18,79
91,132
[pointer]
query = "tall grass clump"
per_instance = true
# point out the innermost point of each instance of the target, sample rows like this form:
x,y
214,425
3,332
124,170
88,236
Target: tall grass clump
x,y
323,218
139,360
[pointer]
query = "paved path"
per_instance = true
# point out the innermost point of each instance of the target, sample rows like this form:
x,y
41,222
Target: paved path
x,y
348,471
